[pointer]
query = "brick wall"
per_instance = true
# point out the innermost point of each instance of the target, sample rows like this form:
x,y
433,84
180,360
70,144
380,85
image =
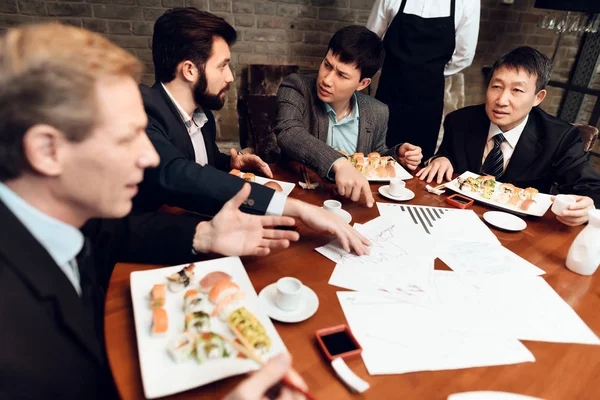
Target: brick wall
x,y
290,32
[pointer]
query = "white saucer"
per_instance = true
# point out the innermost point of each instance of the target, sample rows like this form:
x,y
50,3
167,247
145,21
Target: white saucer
x,y
307,308
505,221
345,215
406,195
490,395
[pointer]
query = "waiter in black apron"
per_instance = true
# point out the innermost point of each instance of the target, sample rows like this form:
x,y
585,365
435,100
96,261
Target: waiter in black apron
x,y
412,78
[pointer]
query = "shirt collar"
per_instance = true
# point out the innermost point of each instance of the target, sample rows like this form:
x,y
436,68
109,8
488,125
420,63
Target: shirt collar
x,y
62,241
512,136
353,114
198,118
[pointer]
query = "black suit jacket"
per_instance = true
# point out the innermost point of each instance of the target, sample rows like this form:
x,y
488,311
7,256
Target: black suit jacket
x,y
549,151
51,340
178,180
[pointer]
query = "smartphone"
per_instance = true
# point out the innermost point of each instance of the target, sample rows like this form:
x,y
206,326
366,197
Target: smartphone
x,y
338,342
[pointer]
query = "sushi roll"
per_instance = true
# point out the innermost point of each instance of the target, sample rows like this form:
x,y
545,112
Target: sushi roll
x,y
488,191
229,304
251,328
235,172
474,183
211,279
503,198
160,321
507,188
180,280
158,296
193,301
374,160
197,322
210,346
221,290
530,193
182,347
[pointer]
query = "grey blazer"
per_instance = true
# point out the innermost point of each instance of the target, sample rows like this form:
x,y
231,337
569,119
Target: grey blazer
x,y
302,125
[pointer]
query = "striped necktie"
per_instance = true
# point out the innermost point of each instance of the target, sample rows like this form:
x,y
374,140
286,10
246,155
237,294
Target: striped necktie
x,y
494,162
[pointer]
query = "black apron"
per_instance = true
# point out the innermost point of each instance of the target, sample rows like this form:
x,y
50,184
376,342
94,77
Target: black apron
x,y
412,77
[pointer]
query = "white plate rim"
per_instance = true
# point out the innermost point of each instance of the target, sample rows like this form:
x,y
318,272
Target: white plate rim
x,y
401,173
489,215
384,191
142,316
264,293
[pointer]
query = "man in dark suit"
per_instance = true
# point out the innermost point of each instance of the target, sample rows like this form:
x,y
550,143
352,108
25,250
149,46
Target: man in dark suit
x,y
319,117
517,142
64,159
191,56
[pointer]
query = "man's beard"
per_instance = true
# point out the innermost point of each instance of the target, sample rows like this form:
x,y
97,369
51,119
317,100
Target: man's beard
x,y
208,100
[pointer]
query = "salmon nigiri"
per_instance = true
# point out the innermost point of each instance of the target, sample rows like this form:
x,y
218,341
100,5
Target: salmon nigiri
x,y
211,279
222,289
228,304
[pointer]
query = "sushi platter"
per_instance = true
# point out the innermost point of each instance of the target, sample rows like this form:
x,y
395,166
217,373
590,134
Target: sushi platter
x,y
280,186
487,190
377,168
183,316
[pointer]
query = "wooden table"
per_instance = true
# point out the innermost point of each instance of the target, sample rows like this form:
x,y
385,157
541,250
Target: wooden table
x,y
561,371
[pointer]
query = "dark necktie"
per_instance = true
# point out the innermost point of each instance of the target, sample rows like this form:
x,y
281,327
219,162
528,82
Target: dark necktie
x,y
494,162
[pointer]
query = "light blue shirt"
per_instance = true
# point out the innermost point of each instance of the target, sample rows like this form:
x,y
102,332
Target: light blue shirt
x,y
62,241
343,134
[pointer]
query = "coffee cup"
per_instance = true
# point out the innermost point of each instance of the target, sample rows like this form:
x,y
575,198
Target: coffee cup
x,y
397,187
332,205
561,203
287,296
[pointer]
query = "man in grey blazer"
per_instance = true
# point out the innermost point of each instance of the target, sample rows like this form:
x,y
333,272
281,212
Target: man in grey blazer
x,y
320,116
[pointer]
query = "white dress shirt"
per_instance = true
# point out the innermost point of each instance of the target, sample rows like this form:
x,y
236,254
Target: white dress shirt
x,y
194,126
508,146
466,23
62,241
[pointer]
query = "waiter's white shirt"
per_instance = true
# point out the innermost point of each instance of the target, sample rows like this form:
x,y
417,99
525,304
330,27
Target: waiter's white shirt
x,y
466,23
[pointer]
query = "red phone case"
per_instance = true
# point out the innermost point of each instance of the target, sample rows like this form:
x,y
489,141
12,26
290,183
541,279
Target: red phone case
x,y
334,329
450,200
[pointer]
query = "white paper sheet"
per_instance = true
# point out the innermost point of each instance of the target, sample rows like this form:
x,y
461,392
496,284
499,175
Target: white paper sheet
x,y
393,345
486,258
442,224
526,308
398,261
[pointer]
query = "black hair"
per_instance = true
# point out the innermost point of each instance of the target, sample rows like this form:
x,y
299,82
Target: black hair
x,y
357,45
186,34
529,60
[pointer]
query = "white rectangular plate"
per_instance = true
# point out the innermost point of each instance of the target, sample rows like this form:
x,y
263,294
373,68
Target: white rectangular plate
x,y
542,204
161,375
400,173
286,186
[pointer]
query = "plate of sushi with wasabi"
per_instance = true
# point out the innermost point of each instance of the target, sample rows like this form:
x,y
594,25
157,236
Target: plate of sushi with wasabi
x,y
486,189
185,317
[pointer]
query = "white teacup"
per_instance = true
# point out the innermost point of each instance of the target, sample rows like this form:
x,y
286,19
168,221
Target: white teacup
x,y
397,187
561,203
288,292
332,205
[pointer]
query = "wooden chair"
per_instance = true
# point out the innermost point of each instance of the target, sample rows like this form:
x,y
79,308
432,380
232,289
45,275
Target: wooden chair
x,y
589,135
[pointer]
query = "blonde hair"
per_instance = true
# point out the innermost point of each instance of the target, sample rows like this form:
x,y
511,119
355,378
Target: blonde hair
x,y
48,75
